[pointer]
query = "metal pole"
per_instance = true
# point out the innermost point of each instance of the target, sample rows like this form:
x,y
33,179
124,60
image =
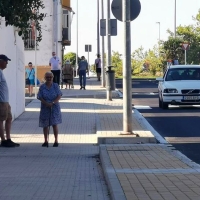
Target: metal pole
x,y
103,82
159,33
159,36
175,20
185,57
77,40
35,59
109,93
88,62
98,49
127,82
56,16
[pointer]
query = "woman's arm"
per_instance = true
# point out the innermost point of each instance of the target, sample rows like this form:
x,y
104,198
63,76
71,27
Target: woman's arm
x,y
56,100
45,102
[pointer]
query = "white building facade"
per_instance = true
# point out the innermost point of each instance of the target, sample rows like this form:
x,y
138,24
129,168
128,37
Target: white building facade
x,y
13,46
21,53
52,34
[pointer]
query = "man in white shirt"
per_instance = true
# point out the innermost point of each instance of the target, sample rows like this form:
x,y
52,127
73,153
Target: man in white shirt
x,y
98,66
5,109
55,63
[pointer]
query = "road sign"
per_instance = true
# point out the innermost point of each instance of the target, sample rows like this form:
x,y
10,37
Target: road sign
x,y
113,27
185,46
135,8
102,27
88,48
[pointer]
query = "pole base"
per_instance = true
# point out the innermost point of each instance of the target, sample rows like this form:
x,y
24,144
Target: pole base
x,y
129,133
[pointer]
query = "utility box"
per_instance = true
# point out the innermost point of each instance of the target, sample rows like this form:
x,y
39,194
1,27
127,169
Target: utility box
x,y
110,79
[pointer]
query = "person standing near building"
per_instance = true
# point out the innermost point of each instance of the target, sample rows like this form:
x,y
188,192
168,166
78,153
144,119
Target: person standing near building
x,y
98,66
5,109
55,67
82,70
30,75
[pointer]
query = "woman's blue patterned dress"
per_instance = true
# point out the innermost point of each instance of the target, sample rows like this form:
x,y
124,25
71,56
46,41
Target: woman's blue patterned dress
x,y
48,116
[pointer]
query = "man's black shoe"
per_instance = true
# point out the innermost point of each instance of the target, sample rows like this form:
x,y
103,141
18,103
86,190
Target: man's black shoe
x,y
81,88
84,88
55,144
6,143
45,144
13,143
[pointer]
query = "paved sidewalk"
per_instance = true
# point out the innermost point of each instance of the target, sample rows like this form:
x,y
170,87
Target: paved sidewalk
x,y
134,167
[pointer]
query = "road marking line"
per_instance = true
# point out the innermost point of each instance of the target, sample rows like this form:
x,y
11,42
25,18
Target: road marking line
x,y
142,107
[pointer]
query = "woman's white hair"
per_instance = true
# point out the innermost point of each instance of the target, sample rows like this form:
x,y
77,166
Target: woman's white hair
x,y
48,73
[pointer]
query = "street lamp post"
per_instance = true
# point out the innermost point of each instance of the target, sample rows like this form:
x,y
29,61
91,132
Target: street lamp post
x,y
127,82
77,41
103,48
175,19
98,49
159,36
109,93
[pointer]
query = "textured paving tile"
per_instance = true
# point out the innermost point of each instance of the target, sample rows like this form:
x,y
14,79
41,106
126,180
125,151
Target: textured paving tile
x,y
153,172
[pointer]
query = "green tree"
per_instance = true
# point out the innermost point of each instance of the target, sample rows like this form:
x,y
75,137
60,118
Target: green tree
x,y
138,60
71,56
189,34
117,63
19,13
154,61
173,48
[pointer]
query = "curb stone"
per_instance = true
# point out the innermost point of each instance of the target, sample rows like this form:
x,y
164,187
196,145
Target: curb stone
x,y
112,180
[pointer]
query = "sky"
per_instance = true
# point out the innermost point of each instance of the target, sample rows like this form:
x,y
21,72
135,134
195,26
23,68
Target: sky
x,y
144,29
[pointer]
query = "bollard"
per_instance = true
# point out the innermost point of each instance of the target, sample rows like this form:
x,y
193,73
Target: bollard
x,y
110,82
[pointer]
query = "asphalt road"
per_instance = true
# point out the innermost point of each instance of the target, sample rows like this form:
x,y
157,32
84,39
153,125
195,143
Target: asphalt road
x,y
179,125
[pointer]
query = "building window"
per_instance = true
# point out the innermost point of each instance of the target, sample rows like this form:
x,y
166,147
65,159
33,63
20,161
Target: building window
x,y
29,43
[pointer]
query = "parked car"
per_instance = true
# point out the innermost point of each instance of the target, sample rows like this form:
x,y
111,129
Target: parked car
x,y
180,85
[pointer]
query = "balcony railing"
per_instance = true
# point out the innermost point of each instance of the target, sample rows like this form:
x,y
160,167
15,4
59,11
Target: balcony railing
x,y
29,43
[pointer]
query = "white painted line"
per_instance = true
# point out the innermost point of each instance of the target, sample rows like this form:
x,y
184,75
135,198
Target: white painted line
x,y
142,107
143,93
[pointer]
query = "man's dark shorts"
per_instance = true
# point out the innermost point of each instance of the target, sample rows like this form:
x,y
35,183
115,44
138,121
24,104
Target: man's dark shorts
x,y
98,70
5,111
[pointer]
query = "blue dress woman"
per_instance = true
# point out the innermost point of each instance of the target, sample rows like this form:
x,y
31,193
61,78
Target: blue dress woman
x,y
50,113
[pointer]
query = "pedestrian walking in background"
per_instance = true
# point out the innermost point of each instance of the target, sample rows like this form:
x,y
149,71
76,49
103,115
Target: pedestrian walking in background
x,y
82,70
67,72
98,66
50,114
5,109
55,68
30,78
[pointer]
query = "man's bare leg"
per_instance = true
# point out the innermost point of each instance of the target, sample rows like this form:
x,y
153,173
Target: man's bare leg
x,y
8,128
2,131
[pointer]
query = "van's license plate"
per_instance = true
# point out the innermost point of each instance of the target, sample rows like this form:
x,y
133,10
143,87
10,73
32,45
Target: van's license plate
x,y
190,98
